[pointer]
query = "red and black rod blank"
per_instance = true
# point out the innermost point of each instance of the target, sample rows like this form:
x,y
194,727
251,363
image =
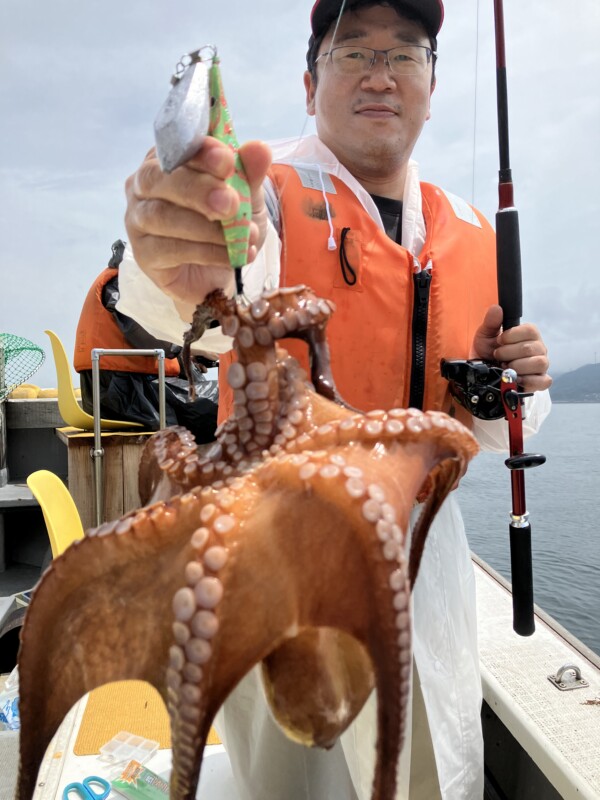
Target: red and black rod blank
x,y
510,297
508,243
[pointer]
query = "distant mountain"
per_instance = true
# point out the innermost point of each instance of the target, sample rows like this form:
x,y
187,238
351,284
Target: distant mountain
x,y
579,386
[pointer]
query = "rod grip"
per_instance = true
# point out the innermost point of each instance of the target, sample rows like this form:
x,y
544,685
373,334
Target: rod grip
x,y
522,580
508,256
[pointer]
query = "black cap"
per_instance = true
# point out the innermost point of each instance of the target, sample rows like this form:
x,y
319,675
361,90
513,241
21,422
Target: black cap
x,y
324,12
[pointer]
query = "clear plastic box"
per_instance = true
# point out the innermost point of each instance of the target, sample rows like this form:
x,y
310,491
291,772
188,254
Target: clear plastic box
x,y
127,746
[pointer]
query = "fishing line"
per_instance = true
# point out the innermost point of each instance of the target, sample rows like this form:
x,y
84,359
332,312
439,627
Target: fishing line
x,y
292,158
475,103
307,115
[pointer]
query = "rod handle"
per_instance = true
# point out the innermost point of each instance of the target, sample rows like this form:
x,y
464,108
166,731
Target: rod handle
x,y
522,580
508,258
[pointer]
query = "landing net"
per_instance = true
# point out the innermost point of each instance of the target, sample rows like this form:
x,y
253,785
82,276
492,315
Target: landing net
x,y
19,359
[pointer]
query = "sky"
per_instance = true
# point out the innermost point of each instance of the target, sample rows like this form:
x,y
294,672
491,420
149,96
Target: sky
x,y
82,80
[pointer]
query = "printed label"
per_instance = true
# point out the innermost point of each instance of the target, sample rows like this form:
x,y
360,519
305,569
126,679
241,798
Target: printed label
x,y
462,209
313,179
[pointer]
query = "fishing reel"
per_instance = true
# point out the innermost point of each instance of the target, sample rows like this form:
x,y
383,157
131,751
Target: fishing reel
x,y
475,384
489,392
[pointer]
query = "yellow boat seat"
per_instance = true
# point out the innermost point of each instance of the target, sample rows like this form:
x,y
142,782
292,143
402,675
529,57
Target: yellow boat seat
x,y
69,408
60,512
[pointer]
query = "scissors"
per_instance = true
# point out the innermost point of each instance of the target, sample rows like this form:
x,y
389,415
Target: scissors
x,y
85,791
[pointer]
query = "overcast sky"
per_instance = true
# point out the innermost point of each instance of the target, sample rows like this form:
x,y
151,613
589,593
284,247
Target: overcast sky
x,y
81,82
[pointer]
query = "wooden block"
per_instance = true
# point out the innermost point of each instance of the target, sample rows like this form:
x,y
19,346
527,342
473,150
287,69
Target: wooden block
x,y
112,465
120,464
131,466
80,481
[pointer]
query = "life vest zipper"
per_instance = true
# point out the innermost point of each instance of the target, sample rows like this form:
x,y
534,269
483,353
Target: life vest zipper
x,y
422,285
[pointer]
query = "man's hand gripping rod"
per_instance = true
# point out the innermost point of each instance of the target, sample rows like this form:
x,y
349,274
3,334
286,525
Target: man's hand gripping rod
x,y
485,389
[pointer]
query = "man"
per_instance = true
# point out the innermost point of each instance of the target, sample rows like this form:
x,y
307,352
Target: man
x,y
412,272
129,384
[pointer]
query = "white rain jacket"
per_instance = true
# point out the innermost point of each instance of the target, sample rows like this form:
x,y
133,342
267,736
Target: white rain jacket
x,y
266,765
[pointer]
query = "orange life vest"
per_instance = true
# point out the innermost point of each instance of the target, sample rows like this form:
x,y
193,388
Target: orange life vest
x,y
97,328
370,334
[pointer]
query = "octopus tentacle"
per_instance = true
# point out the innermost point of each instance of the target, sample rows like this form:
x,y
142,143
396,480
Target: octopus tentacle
x,y
100,589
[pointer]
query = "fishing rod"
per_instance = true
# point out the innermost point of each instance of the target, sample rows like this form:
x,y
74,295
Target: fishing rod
x,y
510,296
484,388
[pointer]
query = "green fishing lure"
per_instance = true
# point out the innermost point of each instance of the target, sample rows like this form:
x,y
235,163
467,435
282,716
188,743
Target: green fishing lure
x,y
195,108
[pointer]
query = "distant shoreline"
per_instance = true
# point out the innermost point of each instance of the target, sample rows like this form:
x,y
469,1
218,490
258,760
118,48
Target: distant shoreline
x,y
574,402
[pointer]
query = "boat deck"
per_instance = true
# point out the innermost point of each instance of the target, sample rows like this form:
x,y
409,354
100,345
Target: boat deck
x,y
560,730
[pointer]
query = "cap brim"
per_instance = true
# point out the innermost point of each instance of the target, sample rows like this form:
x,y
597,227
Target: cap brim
x,y
324,12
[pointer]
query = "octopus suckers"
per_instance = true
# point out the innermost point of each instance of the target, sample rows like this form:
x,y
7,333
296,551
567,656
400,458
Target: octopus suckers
x,y
376,492
394,427
236,376
181,633
296,417
259,309
390,550
224,524
176,662
245,336
225,499
215,558
208,592
355,488
263,336
200,538
348,425
230,326
383,530
123,526
193,572
329,471
184,604
190,693
414,424
401,601
371,510
207,512
198,651
373,428
192,672
205,624
307,471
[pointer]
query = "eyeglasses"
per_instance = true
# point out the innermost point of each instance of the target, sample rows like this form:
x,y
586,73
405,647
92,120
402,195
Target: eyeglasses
x,y
410,59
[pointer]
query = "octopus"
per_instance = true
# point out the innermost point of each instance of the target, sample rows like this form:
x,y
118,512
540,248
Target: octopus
x,y
285,544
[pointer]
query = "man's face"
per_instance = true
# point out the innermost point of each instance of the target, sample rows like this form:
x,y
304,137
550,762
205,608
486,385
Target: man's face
x,y
372,121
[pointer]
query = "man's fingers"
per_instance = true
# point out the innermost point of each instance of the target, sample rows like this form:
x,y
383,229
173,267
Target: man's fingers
x,y
532,365
187,188
188,284
214,157
527,332
492,322
256,158
161,254
521,350
534,383
161,218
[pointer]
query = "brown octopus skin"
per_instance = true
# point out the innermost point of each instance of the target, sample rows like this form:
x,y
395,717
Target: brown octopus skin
x,y
281,544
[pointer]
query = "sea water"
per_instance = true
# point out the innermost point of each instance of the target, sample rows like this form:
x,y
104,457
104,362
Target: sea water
x,y
563,500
